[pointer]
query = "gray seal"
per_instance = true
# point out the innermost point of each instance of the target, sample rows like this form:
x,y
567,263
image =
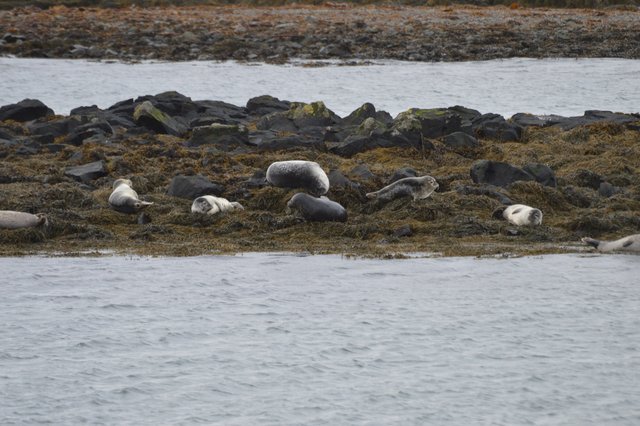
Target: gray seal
x,y
417,187
124,199
208,204
628,243
519,215
307,175
15,220
317,209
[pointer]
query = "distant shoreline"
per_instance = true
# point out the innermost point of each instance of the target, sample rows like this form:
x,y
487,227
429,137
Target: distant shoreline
x,y
330,31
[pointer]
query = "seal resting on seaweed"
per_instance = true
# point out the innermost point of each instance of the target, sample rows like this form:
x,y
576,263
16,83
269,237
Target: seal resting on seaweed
x,y
628,243
14,220
124,199
519,215
307,175
208,204
419,187
317,209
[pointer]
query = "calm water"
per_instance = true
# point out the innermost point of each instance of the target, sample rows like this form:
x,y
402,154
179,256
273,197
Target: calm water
x,y
550,86
286,340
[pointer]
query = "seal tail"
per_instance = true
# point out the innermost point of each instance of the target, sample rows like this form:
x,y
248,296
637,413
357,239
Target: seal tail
x,y
371,194
591,242
236,205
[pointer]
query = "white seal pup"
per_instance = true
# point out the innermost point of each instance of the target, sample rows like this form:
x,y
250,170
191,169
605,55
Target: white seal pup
x,y
628,243
208,204
317,209
14,220
307,175
419,187
124,199
519,215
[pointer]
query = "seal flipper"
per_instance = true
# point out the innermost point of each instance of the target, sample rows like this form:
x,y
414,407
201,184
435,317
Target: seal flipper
x,y
499,213
627,243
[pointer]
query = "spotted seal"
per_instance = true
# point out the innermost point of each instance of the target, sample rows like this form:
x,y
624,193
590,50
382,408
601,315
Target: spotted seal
x,y
628,243
208,204
317,209
14,220
124,199
418,187
519,215
307,175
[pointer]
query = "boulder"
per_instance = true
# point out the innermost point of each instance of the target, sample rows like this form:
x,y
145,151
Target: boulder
x,y
542,174
288,142
222,112
147,115
87,172
366,111
312,115
494,126
497,173
338,180
405,172
428,123
171,103
586,178
55,128
489,191
377,139
191,187
460,140
25,110
226,137
263,105
97,127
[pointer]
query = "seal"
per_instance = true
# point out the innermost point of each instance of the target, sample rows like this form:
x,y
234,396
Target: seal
x,y
628,243
208,204
519,215
307,175
123,199
419,188
316,209
15,220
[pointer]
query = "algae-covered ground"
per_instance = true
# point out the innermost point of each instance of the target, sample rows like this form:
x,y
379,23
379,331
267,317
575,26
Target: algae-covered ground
x,y
597,168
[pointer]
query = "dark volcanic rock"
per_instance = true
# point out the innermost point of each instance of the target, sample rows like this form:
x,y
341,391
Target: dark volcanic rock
x,y
226,137
147,115
460,140
96,127
401,174
497,173
542,174
263,105
494,126
191,187
586,178
489,191
87,172
377,139
221,112
25,110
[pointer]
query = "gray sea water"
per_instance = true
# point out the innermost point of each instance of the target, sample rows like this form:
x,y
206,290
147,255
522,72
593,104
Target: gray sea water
x,y
289,340
539,86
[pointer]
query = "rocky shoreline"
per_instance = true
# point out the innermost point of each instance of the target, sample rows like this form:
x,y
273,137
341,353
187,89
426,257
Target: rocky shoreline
x,y
582,172
331,31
